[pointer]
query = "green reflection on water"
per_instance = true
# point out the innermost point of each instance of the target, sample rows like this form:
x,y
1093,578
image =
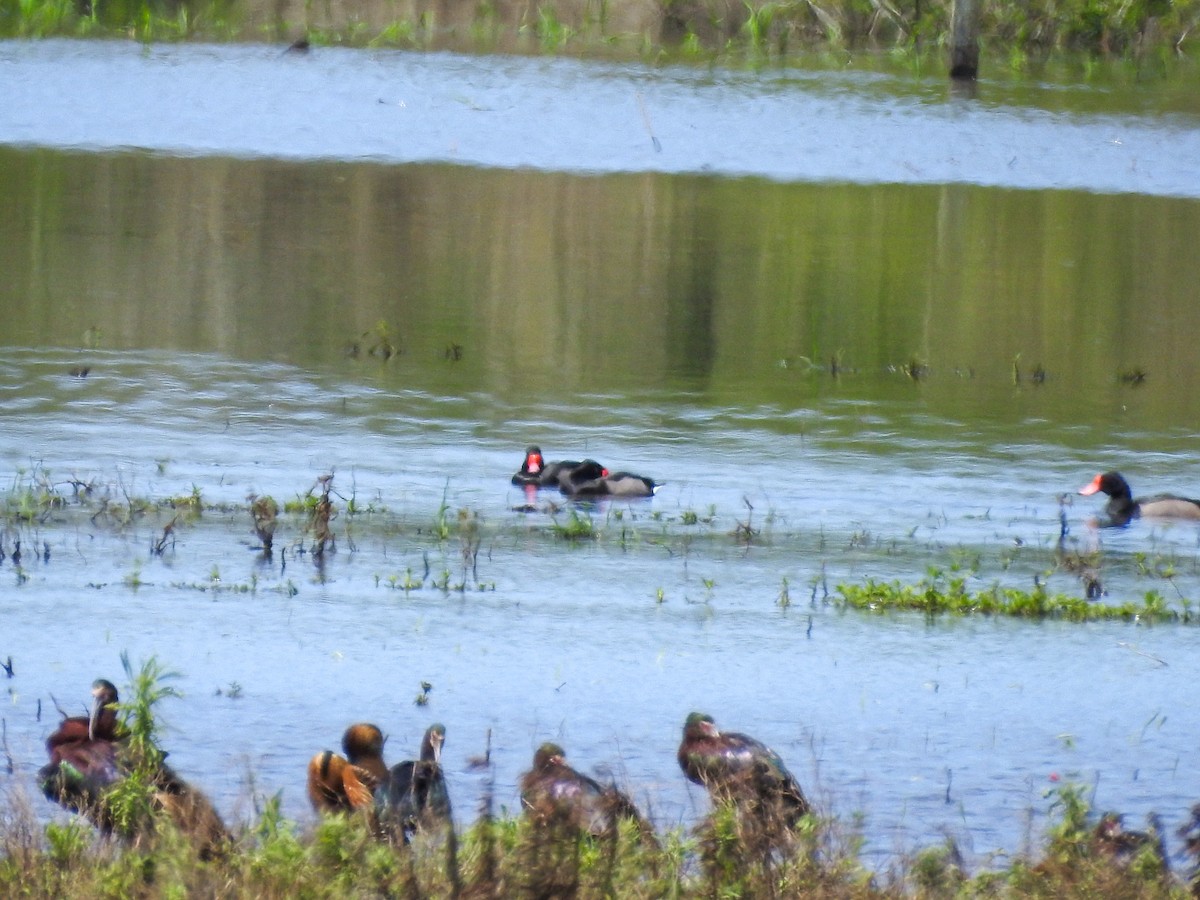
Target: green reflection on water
x,y
537,286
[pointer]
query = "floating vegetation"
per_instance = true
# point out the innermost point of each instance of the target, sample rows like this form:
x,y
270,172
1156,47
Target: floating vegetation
x,y
939,595
915,369
578,527
380,342
1036,377
422,697
1132,377
448,551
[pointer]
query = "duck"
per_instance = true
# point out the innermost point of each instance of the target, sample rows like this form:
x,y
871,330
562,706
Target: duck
x,y
101,724
89,757
1111,839
537,473
416,792
590,479
736,768
343,784
1122,508
553,794
83,757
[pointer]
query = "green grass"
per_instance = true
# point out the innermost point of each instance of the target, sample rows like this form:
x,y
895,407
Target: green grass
x,y
939,595
728,854
578,527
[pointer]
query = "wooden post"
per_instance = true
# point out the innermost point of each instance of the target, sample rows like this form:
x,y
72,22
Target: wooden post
x,y
964,39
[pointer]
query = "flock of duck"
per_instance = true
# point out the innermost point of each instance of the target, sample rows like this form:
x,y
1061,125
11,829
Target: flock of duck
x,y
87,757
588,478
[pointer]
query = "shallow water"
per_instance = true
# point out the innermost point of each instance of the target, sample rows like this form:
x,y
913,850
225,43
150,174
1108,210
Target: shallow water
x,y
212,299
889,715
564,115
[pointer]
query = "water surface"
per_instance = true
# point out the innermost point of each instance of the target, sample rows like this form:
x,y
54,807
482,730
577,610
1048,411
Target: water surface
x,y
565,115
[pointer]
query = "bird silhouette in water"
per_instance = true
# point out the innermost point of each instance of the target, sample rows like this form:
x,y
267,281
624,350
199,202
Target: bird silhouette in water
x,y
735,768
416,797
90,757
343,784
554,794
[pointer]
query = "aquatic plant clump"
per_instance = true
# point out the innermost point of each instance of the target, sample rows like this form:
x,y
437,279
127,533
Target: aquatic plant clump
x,y
937,595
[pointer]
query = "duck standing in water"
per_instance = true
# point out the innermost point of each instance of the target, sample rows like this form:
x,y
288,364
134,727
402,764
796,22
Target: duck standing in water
x,y
417,798
89,757
738,769
83,757
554,794
341,784
1122,508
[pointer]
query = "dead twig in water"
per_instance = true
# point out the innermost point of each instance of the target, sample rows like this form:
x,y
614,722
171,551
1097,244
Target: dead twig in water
x,y
1158,659
322,513
9,766
62,712
646,121
168,537
745,531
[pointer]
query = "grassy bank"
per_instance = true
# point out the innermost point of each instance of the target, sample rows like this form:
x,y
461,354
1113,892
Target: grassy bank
x,y
1014,34
1083,855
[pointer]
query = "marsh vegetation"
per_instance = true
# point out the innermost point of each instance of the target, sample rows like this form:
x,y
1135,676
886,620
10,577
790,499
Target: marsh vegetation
x,y
1147,32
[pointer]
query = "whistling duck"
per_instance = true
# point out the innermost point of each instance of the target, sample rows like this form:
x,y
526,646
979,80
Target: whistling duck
x,y
1112,839
735,767
555,794
1121,508
338,784
83,756
416,796
88,756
